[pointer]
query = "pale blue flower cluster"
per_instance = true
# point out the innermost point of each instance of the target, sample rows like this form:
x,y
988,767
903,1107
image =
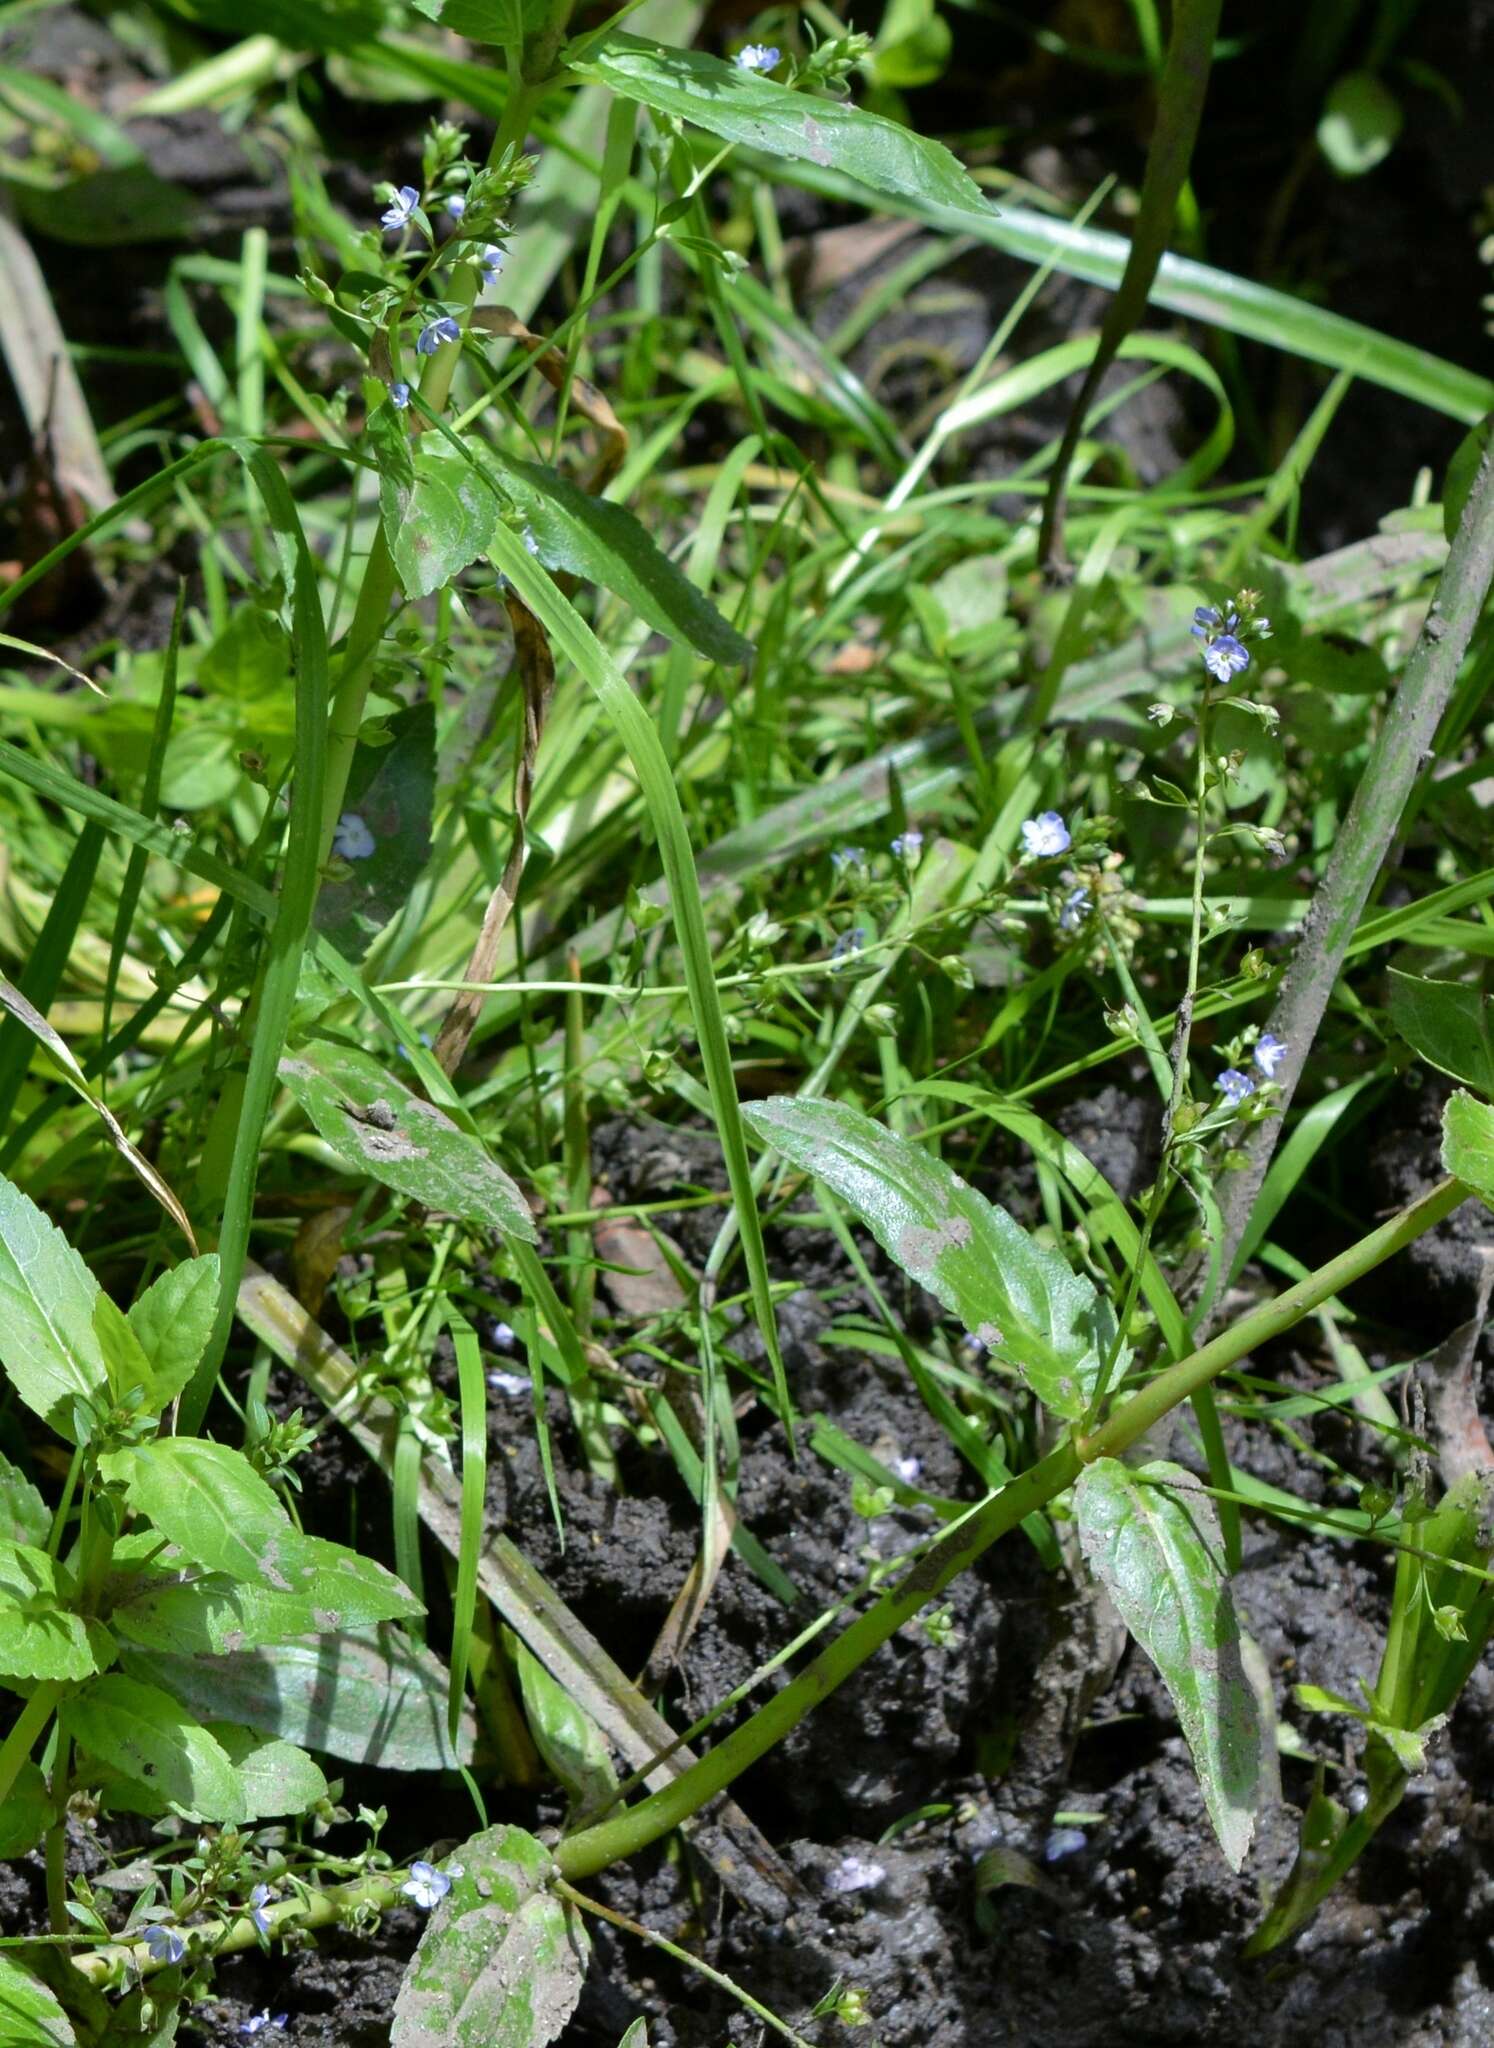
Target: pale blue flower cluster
x,y
1268,1055
1045,836
1225,654
759,57
908,845
848,857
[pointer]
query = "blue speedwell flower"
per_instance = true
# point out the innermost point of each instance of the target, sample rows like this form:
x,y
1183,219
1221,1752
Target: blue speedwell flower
x,y
492,263
848,857
456,206
351,838
397,213
1045,836
1225,657
259,1898
1076,908
908,845
1269,1053
165,1944
1234,1086
759,57
399,396
260,2022
431,337
849,942
426,1885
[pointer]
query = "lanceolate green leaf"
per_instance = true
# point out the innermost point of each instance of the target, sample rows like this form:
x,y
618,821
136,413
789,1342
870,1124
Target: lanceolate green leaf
x,y
568,530
381,1128
48,1343
1151,1536
173,1320
147,1735
742,107
501,1960
1449,1023
1019,1298
366,1696
569,1741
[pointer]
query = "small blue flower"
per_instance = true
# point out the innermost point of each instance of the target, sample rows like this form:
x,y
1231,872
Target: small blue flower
x,y
1205,621
1269,1053
259,1898
501,1335
165,1944
1234,1086
426,1885
1076,908
510,1384
759,57
848,857
403,204
456,206
1045,836
399,395
431,337
908,845
492,263
351,838
1225,657
849,942
1063,1842
257,2022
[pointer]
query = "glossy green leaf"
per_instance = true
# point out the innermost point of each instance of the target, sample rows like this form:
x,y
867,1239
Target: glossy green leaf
x,y
145,1734
1449,1023
572,532
172,1320
1019,1298
24,1515
381,1128
570,1742
636,2036
1359,124
391,790
214,1615
209,1501
439,509
1151,1536
1468,1143
278,1777
25,1816
30,2016
501,1961
370,1696
40,1637
48,1343
741,106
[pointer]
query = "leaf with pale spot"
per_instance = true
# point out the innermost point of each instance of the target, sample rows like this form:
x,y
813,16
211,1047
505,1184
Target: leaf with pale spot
x,y
1020,1298
439,509
1151,1536
216,1615
501,1961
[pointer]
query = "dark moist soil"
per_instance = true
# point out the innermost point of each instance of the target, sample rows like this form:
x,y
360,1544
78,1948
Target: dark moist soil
x,y
1133,1934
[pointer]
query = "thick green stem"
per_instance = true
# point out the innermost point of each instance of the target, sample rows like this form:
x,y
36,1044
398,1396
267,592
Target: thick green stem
x,y
626,1833
125,1961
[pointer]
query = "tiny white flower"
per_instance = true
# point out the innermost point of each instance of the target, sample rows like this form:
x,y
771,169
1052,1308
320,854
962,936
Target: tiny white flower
x,y
426,1885
909,1470
351,838
509,1384
759,57
1045,836
1269,1053
258,2022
